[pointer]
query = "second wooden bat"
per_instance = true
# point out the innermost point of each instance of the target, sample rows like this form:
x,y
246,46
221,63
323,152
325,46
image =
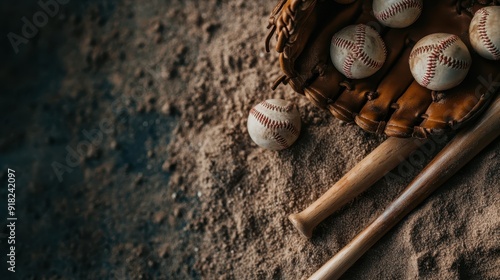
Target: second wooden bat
x,y
461,149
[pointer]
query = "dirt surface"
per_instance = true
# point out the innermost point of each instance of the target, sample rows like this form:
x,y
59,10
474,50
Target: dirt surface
x,y
126,124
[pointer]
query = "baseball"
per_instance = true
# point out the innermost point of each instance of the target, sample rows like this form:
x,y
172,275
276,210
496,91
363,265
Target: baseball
x,y
397,13
274,124
357,51
485,32
439,61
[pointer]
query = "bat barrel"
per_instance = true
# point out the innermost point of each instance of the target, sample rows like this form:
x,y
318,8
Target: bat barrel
x,y
454,156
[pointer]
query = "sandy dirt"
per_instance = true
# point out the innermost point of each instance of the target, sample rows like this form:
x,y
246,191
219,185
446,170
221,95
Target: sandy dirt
x,y
126,124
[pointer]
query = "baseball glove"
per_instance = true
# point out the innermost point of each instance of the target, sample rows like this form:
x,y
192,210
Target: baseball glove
x,y
390,101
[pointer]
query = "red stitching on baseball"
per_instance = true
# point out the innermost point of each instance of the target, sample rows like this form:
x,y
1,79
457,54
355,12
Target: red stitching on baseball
x,y
421,50
436,52
346,44
282,141
453,62
343,43
349,61
357,51
282,109
397,8
483,35
359,36
361,54
273,124
370,62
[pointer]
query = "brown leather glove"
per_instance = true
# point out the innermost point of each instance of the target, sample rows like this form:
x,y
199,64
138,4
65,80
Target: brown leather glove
x,y
390,101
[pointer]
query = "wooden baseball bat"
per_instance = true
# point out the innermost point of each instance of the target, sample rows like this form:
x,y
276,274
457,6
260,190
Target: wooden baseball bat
x,y
460,150
383,159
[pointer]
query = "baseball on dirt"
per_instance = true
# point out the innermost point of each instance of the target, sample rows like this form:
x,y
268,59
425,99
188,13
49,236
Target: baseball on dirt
x,y
484,31
274,124
440,61
397,13
357,51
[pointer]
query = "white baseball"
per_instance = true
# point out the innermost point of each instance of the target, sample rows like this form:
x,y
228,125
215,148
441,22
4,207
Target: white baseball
x,y
274,124
484,32
397,13
440,61
357,51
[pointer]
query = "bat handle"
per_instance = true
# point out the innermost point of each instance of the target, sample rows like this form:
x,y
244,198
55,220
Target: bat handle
x,y
383,159
467,144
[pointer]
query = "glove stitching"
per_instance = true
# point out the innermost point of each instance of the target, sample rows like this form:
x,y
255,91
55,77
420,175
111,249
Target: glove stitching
x,y
272,22
337,106
390,126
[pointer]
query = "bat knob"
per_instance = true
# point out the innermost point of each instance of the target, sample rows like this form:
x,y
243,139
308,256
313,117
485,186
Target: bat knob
x,y
301,225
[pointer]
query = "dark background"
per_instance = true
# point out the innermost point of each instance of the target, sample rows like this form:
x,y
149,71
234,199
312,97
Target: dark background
x,y
53,90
